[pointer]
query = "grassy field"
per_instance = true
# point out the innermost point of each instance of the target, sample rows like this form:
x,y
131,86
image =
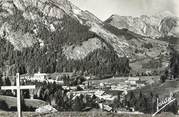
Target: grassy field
x,y
12,101
78,114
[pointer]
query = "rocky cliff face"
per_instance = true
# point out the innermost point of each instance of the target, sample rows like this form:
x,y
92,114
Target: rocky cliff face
x,y
169,26
143,25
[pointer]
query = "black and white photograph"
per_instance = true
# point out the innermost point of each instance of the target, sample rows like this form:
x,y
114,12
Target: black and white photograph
x,y
89,58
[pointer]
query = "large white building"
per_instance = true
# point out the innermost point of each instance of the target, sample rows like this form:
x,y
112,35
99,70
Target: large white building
x,y
40,76
133,80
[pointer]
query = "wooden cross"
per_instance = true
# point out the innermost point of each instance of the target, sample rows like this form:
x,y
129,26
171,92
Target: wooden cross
x,y
18,88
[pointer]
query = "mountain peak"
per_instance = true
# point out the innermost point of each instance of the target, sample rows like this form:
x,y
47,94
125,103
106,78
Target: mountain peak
x,y
144,25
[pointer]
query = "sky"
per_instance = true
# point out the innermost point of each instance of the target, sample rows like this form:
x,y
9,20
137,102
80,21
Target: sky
x,y
103,9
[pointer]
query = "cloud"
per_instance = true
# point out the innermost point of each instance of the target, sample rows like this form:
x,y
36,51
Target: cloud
x,y
104,8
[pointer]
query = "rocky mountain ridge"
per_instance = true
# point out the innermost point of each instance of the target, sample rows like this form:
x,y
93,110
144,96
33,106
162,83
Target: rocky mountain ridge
x,y
151,26
57,36
38,10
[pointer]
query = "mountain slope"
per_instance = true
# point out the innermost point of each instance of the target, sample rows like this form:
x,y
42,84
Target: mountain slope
x,y
57,36
41,11
53,35
145,54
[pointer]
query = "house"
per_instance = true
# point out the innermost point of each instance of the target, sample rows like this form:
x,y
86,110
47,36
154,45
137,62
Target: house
x,y
102,95
101,85
40,77
72,88
133,80
90,77
149,72
87,84
117,87
70,74
105,107
25,76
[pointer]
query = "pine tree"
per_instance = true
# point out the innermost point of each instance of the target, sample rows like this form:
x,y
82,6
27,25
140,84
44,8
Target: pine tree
x,y
77,106
7,82
23,105
141,103
1,81
132,99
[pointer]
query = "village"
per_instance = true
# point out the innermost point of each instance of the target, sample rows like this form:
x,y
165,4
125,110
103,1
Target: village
x,y
105,91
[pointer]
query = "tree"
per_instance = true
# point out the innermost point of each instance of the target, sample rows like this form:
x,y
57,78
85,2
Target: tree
x,y
26,93
141,103
1,80
77,105
132,100
116,104
23,105
174,107
7,82
3,105
150,103
163,78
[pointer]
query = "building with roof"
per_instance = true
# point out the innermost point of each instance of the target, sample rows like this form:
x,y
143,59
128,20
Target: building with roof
x,y
40,77
133,80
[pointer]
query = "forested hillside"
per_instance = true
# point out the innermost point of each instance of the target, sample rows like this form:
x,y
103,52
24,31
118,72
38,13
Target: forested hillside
x,y
46,53
57,36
